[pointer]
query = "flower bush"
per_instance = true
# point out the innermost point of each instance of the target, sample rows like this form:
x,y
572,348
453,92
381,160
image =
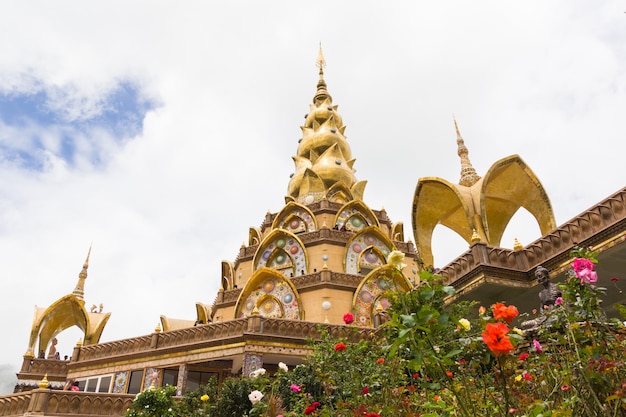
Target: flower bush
x,y
436,358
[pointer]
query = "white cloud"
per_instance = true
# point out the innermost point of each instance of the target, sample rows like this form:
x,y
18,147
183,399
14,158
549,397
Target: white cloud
x,y
545,81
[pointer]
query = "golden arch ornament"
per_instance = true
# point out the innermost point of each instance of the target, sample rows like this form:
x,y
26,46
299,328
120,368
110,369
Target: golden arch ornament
x,y
270,294
485,207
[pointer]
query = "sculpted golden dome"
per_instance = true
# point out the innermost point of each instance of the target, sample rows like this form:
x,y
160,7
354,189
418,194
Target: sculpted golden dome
x,y
324,158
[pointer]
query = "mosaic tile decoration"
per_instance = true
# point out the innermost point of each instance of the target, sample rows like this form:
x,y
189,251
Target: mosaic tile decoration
x,y
119,382
298,221
284,254
362,243
273,298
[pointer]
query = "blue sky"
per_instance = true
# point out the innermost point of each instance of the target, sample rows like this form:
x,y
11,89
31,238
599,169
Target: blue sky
x,y
160,133
119,114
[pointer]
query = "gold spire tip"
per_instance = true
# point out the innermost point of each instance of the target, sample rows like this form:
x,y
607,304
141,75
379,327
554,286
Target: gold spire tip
x,y
321,62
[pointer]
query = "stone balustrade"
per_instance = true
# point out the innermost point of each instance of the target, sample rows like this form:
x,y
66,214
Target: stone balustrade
x,y
47,402
595,227
245,330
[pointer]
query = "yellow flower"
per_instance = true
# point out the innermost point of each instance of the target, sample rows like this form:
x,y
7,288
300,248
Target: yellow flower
x,y
465,324
395,258
518,331
205,397
518,378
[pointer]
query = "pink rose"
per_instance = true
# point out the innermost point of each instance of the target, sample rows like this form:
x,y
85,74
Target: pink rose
x,y
295,388
582,263
587,276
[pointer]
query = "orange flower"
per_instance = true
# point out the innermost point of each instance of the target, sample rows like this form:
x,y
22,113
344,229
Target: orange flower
x,y
500,311
340,346
496,339
380,360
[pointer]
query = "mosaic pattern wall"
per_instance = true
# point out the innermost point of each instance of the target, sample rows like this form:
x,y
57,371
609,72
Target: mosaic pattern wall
x,y
251,363
119,383
298,221
353,219
284,254
362,243
152,378
369,298
273,298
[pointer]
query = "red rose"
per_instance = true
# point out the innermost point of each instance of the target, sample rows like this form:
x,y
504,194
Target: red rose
x,y
311,408
380,360
523,356
340,346
365,390
348,318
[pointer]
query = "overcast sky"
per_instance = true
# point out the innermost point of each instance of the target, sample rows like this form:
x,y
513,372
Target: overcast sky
x,y
161,131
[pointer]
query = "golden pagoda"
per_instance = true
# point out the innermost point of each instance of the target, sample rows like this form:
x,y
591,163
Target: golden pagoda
x,y
324,254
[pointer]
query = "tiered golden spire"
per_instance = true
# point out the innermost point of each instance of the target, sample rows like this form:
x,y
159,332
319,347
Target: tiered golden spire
x,y
469,176
79,291
323,162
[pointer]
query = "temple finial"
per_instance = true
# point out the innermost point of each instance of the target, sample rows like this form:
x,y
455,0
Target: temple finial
x,y
322,93
469,176
79,291
321,62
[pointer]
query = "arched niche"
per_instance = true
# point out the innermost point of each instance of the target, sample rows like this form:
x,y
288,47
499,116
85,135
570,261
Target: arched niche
x,y
339,193
228,279
368,240
271,294
254,236
397,232
355,216
371,294
370,259
282,251
295,218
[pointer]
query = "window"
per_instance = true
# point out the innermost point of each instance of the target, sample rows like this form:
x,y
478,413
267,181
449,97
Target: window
x,y
170,377
197,378
95,384
134,384
105,384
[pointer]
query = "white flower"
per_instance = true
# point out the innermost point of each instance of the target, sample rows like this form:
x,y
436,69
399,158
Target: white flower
x,y
255,396
395,258
258,372
283,366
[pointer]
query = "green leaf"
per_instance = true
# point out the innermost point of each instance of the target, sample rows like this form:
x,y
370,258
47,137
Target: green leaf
x,y
408,319
448,289
427,294
454,353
